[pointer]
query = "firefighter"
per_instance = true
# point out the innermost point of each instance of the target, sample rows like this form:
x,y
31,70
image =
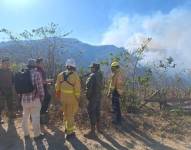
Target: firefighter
x,y
68,91
116,89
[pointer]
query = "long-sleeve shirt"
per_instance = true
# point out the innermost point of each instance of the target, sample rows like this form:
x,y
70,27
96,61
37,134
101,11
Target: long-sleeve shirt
x,y
117,82
94,85
39,90
70,87
43,74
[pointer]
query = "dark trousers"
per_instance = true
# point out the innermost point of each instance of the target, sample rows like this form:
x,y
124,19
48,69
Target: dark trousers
x,y
8,100
46,101
94,111
116,106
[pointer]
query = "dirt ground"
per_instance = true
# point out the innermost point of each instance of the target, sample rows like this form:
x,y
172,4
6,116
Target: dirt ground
x,y
138,132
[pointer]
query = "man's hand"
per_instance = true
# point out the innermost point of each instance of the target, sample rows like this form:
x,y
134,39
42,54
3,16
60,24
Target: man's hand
x,y
58,94
109,94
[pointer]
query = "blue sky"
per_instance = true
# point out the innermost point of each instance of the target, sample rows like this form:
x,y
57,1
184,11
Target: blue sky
x,y
89,19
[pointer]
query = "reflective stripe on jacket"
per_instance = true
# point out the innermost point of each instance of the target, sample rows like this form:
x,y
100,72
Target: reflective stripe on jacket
x,y
64,87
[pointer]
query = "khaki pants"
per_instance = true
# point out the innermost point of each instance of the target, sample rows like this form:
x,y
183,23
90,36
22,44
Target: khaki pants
x,y
70,108
31,109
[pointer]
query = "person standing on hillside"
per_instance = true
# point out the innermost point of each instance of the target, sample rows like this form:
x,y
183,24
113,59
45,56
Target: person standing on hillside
x,y
47,97
68,91
94,86
116,89
6,89
31,101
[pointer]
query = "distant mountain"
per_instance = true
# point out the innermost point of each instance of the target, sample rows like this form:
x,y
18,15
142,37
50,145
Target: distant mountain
x,y
65,48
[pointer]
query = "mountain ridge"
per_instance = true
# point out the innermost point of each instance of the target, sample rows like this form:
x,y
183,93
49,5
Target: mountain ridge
x,y
84,53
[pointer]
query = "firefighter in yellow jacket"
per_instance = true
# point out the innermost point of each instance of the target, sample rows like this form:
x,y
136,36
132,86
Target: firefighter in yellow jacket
x,y
116,89
68,91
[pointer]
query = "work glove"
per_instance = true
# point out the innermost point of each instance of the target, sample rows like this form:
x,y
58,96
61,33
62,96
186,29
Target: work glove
x,y
109,94
58,94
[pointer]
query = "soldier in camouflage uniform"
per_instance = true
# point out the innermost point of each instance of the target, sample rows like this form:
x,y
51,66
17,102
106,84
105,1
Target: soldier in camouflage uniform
x,y
94,86
6,88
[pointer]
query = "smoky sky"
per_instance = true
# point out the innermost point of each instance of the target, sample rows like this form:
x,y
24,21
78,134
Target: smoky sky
x,y
170,33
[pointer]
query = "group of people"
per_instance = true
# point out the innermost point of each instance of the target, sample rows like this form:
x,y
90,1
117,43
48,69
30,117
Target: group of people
x,y
67,90
34,104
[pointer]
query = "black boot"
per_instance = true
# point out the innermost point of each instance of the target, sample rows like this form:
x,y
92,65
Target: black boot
x,y
91,134
70,136
99,127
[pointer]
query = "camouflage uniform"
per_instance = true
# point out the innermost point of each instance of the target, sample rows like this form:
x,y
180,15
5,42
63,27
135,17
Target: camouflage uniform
x,y
6,91
93,94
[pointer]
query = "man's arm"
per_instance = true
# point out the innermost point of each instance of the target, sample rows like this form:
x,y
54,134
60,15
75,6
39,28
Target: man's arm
x,y
89,86
120,84
58,86
110,88
77,87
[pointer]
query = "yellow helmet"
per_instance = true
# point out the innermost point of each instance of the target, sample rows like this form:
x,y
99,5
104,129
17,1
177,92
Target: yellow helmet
x,y
114,64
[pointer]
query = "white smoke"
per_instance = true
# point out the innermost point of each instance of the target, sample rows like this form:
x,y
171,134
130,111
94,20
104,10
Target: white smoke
x,y
171,34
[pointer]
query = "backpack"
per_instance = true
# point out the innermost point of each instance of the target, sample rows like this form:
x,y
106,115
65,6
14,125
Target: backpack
x,y
23,82
65,77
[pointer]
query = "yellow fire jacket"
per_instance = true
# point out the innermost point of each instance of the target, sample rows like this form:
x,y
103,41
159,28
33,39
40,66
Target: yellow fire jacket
x,y
117,82
70,88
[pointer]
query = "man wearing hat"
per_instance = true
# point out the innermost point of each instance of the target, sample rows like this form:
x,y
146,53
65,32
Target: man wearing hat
x,y
116,89
68,89
31,102
6,88
94,86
